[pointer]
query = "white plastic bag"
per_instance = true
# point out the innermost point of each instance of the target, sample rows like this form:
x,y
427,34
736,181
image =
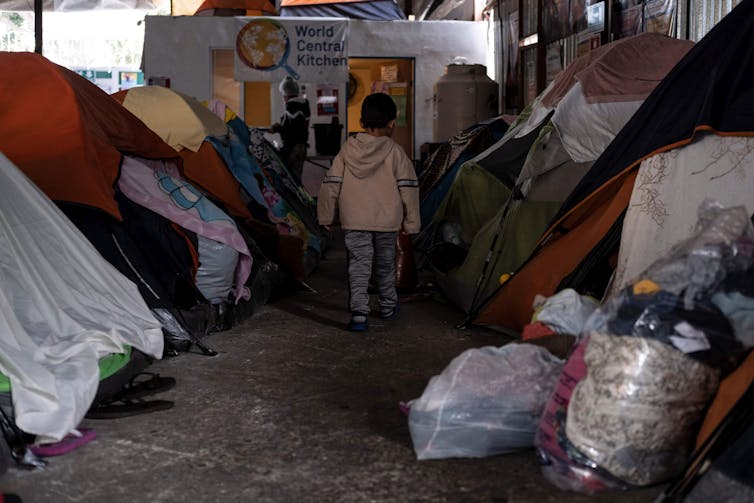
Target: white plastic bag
x,y
488,401
566,312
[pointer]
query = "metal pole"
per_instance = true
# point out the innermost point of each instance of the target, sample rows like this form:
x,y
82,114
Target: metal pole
x,y
38,26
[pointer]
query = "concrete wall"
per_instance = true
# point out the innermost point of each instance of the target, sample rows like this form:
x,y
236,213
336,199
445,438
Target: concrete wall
x,y
180,48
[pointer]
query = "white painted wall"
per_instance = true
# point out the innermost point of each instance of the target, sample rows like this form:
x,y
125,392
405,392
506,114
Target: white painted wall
x,y
180,48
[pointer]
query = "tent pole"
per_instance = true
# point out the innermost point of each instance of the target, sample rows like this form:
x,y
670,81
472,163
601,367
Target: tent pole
x,y
473,308
38,26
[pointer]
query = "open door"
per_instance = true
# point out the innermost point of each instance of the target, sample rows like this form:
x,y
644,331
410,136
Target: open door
x,y
393,76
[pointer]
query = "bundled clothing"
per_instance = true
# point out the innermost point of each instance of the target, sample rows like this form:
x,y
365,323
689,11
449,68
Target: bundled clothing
x,y
372,190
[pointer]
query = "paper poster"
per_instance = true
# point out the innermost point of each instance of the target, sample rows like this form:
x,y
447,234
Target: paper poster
x,y
309,50
389,73
327,100
399,92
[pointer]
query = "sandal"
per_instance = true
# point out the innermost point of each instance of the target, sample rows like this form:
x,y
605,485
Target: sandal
x,y
68,444
135,390
126,408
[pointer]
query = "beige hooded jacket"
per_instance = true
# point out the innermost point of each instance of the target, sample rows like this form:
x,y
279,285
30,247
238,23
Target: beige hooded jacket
x,y
371,186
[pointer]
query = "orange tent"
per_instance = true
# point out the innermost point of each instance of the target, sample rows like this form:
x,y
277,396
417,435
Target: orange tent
x,y
730,391
236,8
66,134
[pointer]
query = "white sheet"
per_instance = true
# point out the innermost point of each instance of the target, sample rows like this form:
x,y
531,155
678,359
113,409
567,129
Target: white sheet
x,y
62,308
668,190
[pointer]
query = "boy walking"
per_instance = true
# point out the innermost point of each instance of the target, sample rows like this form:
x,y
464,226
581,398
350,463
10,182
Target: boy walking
x,y
372,187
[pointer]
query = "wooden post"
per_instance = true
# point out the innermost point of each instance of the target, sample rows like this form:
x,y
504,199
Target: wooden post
x,y
38,26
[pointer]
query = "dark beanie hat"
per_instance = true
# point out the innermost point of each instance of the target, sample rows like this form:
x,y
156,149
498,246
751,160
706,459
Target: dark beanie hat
x,y
377,110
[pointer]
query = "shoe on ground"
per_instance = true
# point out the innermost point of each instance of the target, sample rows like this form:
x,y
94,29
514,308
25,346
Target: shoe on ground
x,y
358,323
392,314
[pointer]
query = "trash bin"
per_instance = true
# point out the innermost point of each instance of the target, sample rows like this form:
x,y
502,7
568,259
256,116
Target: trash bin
x,y
327,137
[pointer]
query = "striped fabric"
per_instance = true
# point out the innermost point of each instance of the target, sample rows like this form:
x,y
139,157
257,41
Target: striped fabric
x,y
408,183
364,248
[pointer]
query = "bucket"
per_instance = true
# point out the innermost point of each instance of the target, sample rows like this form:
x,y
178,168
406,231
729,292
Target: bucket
x,y
327,138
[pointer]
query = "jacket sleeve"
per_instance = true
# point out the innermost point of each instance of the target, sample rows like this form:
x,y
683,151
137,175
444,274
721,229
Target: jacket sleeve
x,y
329,192
408,186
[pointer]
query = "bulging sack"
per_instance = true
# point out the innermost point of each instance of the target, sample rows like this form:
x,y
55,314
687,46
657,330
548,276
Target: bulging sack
x,y
488,401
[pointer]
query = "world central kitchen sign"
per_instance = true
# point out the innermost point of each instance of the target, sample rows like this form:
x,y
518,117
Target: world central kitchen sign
x,y
309,50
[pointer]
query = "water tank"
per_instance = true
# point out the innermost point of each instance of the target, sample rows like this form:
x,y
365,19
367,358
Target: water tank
x,y
463,97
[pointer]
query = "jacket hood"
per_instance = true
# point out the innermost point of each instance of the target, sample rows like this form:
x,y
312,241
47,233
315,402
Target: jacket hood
x,y
364,153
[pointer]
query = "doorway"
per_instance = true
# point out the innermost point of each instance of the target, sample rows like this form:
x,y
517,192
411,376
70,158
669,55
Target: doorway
x,y
393,76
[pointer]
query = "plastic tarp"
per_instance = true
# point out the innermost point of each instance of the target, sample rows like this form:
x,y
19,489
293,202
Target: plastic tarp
x,y
62,308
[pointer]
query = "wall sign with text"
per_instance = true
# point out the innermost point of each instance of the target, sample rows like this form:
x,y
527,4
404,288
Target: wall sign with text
x,y
309,50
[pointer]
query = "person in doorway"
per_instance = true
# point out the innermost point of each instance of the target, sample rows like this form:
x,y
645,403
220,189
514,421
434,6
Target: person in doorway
x,y
293,127
372,189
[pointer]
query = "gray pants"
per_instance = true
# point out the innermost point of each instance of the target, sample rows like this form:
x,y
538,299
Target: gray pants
x,y
363,247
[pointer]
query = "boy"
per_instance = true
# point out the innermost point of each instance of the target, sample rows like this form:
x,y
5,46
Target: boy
x,y
372,187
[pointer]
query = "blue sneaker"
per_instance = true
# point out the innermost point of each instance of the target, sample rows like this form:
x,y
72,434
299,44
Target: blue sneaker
x,y
358,323
392,314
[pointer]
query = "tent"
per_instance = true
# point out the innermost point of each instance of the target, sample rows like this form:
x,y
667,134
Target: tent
x,y
224,257
709,91
85,135
289,203
219,163
722,468
66,134
439,171
183,128
63,309
565,130
373,10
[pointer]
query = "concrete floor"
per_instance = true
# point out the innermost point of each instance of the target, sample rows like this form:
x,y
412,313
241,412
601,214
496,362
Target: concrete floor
x,y
295,408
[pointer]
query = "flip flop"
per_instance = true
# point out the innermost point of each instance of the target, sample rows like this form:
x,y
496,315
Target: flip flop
x,y
135,390
126,408
68,444
405,408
